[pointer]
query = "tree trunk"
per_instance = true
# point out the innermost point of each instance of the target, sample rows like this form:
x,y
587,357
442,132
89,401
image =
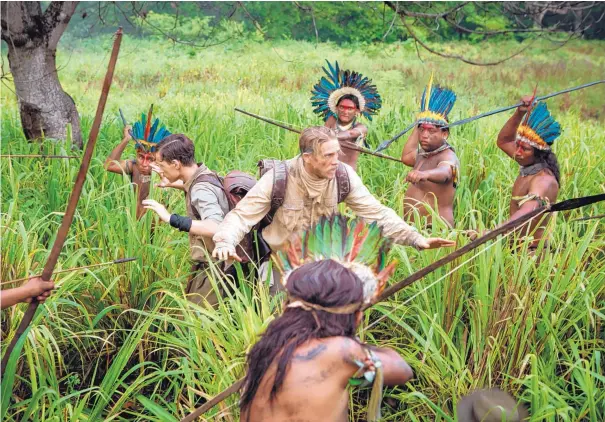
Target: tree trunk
x,y
44,107
32,37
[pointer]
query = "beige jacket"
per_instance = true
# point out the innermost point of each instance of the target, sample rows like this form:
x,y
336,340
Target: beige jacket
x,y
299,211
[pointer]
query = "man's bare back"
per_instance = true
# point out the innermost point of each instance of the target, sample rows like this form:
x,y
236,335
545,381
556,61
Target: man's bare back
x,y
315,386
426,192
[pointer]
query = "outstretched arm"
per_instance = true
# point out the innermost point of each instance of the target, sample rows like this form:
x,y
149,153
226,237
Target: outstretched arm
x,y
508,133
442,174
114,163
408,155
395,369
34,288
352,135
364,205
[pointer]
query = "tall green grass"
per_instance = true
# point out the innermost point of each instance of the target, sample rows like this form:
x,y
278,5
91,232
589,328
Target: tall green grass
x,y
122,343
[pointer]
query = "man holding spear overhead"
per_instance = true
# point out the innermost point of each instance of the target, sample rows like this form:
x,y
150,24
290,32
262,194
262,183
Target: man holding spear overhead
x,y
435,166
527,138
340,100
146,136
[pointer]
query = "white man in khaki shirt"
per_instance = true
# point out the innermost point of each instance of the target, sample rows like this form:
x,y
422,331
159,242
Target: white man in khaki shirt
x,y
312,191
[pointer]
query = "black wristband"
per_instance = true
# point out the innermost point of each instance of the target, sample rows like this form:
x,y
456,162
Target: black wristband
x,y
180,222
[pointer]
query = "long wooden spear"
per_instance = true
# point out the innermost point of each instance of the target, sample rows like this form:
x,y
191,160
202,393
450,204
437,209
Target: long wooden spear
x,y
569,204
344,144
37,156
384,145
69,270
73,199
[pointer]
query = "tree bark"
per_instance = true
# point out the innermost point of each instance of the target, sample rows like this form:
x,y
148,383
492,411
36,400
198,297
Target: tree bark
x,y
32,37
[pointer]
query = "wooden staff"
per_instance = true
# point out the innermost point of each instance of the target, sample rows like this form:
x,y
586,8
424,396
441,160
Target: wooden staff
x,y
345,144
511,225
73,199
69,270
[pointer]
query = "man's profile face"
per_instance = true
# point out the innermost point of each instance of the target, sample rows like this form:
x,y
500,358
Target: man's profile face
x,y
430,136
524,154
324,163
169,170
144,161
347,111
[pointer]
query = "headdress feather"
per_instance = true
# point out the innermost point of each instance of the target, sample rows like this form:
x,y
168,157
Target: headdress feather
x,y
356,245
337,83
435,104
147,135
539,129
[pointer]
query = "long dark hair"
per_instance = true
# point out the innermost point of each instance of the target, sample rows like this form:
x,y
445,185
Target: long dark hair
x,y
550,159
325,283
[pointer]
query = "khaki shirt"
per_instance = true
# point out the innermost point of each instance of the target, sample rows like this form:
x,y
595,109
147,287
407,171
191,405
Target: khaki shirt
x,y
211,203
299,211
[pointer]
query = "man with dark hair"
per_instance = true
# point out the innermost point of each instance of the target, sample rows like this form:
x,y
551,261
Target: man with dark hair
x,y
206,203
138,169
316,183
340,98
347,128
302,365
435,166
527,138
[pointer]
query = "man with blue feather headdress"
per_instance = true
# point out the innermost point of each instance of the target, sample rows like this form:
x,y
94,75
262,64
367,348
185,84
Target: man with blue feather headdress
x,y
342,97
146,136
527,137
435,166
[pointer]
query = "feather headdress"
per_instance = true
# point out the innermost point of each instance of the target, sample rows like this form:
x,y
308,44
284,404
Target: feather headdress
x,y
538,128
356,245
435,104
147,135
338,82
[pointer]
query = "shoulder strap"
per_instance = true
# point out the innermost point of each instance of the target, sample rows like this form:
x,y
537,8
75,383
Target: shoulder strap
x,y
280,181
211,178
343,182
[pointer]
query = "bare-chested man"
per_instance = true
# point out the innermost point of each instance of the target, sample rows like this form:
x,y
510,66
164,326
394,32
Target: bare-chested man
x,y
340,98
306,359
139,168
435,165
527,138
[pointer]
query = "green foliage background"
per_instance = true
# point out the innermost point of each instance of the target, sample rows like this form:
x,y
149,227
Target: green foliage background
x,y
122,343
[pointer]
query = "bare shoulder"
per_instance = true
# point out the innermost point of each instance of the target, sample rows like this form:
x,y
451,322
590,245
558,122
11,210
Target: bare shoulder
x,y
362,128
544,182
448,155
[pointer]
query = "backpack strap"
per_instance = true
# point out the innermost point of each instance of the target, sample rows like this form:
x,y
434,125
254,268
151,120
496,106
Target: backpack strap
x,y
343,183
211,178
280,182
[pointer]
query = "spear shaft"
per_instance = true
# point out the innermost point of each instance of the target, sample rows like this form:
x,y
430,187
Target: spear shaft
x,y
68,270
36,156
344,144
384,145
73,199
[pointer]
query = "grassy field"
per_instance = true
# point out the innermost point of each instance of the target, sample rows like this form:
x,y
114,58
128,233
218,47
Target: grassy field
x,y
122,343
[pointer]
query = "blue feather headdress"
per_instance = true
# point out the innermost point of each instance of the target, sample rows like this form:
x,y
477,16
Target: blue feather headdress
x,y
435,104
146,135
328,91
538,128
